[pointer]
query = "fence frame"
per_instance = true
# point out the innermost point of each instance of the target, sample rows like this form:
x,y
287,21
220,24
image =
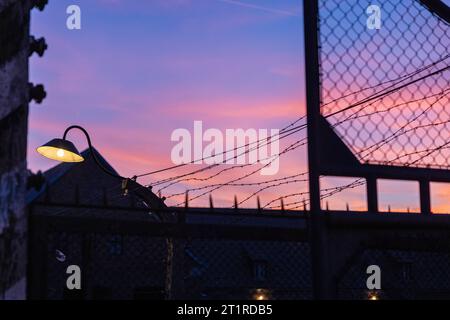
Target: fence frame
x,y
323,142
178,230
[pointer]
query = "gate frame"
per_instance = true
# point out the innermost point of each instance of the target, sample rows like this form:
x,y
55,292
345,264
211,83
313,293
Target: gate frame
x,y
321,165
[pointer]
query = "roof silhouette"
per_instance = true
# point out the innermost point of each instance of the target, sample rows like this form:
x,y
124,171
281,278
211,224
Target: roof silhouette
x,y
55,173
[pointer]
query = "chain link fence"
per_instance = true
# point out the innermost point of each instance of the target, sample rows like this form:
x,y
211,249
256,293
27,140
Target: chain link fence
x,y
385,80
131,261
406,275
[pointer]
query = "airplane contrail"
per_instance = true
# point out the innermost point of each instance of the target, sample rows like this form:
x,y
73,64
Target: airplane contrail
x,y
254,6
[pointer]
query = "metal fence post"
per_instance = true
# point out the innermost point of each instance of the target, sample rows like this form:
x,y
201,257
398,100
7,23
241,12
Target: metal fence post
x,y
318,235
372,194
425,197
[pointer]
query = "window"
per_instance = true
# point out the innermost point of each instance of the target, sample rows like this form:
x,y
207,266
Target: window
x,y
115,245
407,271
260,270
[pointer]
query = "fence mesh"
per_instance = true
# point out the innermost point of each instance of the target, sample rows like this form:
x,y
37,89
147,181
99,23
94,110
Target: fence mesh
x,y
405,275
128,265
385,80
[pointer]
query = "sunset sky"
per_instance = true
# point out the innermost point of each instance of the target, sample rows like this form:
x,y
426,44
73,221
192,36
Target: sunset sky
x,y
138,70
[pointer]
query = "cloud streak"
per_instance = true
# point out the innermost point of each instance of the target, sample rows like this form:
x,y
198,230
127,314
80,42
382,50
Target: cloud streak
x,y
260,8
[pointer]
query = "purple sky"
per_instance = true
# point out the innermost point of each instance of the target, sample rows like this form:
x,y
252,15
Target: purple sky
x,y
140,69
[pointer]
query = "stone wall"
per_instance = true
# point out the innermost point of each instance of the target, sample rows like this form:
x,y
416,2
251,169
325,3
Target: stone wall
x,y
14,98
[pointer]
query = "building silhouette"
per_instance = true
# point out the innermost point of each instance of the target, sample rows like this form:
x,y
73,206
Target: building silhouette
x,y
120,262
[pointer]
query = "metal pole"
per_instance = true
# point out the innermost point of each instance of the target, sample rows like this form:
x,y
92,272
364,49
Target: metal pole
x,y
91,148
318,239
372,194
425,197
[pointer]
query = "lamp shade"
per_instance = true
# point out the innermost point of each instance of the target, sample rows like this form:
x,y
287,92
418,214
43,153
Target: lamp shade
x,y
60,150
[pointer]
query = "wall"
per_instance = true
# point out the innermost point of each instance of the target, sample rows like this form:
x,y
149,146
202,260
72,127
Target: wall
x,y
14,98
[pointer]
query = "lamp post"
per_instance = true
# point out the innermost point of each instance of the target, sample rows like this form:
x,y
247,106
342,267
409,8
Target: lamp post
x,y
65,151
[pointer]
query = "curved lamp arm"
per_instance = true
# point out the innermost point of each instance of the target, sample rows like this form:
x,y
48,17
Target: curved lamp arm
x,y
94,156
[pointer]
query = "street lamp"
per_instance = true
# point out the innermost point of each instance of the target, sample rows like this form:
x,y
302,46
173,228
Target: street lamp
x,y
65,151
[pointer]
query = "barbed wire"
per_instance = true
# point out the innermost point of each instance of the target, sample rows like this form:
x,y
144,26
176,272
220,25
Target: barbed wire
x,y
304,202
396,80
284,130
221,185
269,141
401,130
224,170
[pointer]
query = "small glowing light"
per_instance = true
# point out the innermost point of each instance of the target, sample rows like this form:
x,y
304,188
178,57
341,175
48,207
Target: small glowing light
x,y
373,296
60,153
261,294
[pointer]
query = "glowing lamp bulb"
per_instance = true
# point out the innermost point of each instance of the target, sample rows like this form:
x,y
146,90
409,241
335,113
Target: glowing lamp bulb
x,y
60,153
